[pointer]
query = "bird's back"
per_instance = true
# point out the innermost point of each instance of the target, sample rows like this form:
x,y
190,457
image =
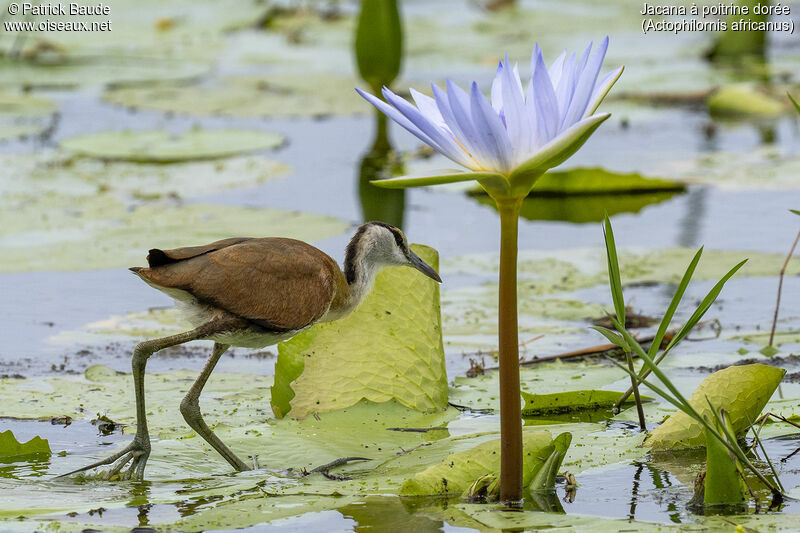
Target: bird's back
x,y
275,283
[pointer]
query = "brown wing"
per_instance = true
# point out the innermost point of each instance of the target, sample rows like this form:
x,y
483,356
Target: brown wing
x,y
158,257
279,284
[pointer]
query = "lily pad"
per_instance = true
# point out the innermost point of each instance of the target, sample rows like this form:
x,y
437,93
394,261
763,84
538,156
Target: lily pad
x,y
11,448
742,391
278,95
457,471
583,195
390,347
23,115
160,147
73,176
583,209
569,401
52,232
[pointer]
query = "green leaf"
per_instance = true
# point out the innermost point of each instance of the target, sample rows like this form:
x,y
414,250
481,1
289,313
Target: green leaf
x,y
158,146
553,154
458,471
613,271
583,195
673,304
570,401
769,351
742,391
587,181
796,107
390,347
705,304
724,477
743,100
379,42
11,448
544,476
795,211
438,178
612,336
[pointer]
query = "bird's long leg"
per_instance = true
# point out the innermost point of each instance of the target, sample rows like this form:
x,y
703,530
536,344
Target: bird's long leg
x,y
190,409
138,451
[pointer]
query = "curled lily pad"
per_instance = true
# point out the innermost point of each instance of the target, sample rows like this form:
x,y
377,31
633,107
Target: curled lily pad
x,y
744,100
742,391
390,347
160,147
11,448
456,473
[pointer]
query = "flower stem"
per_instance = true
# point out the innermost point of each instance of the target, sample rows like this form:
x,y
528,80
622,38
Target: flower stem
x,y
510,411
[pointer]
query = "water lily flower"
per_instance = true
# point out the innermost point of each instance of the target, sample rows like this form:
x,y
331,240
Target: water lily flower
x,y
508,142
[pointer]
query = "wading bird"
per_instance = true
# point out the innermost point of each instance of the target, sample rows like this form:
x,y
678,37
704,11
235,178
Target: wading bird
x,y
252,292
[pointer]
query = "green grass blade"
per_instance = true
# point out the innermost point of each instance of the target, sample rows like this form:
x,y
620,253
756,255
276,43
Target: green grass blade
x,y
613,270
797,107
655,388
703,307
673,305
612,336
636,347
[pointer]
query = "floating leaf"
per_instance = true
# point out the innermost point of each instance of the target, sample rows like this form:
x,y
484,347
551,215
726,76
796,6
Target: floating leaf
x,y
11,448
161,147
582,195
458,471
100,232
742,391
277,95
597,180
569,401
584,209
390,347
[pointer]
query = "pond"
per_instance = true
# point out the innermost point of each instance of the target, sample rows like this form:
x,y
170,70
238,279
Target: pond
x,y
267,137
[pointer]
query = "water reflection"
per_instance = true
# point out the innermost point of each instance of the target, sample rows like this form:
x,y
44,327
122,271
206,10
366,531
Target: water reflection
x,y
379,162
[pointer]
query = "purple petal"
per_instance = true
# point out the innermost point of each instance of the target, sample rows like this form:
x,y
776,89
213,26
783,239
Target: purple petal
x,y
398,117
565,88
545,102
491,130
427,107
459,104
444,142
518,121
497,89
585,86
443,104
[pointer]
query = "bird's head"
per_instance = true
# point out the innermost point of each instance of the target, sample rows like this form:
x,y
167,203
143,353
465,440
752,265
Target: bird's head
x,y
380,245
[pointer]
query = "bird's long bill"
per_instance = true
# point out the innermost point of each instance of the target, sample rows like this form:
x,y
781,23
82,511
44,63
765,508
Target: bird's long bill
x,y
423,267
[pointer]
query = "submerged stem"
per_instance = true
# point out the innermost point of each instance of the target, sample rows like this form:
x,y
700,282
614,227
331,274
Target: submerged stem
x,y
510,409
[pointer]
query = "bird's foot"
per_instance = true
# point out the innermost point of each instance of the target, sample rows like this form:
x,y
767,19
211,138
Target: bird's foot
x,y
136,453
